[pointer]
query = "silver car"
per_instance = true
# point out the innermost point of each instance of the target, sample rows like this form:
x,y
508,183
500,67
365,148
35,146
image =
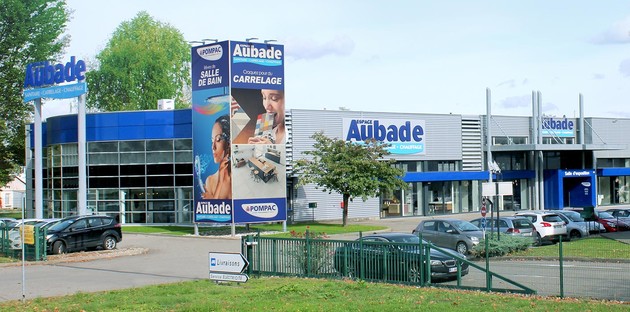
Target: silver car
x,y
455,234
577,227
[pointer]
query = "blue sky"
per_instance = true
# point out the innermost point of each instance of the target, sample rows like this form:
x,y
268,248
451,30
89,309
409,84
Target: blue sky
x,y
410,56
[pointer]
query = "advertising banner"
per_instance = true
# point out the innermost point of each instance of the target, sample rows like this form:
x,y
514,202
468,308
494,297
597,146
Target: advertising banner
x,y
258,132
405,137
239,132
211,134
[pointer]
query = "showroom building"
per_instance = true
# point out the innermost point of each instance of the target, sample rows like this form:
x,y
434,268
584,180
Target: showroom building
x,y
140,164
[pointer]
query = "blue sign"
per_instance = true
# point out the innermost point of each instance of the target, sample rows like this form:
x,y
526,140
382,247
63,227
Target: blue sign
x,y
405,137
260,209
56,92
210,68
558,127
42,74
257,65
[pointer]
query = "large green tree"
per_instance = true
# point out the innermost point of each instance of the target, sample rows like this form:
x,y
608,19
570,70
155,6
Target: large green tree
x,y
351,169
30,31
144,61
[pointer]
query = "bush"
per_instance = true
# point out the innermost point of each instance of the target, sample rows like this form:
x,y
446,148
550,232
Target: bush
x,y
506,245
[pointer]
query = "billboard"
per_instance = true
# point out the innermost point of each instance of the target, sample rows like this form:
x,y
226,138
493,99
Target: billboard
x,y
238,110
405,137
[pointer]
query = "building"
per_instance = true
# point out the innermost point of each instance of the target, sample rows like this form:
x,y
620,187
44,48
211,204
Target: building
x,y
12,195
140,164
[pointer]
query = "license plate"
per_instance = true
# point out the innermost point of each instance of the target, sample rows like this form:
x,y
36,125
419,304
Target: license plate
x,y
557,226
527,234
452,270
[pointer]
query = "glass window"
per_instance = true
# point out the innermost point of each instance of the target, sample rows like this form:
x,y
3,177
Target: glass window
x,y
70,149
108,206
102,159
102,147
160,193
160,145
107,194
183,144
132,158
160,157
183,157
132,146
103,171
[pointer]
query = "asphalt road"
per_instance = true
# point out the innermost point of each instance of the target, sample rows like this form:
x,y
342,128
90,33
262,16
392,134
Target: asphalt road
x,y
169,260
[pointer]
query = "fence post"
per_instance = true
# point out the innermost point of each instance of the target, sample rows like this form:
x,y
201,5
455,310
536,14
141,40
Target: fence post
x,y
422,277
308,253
250,257
362,258
561,269
488,275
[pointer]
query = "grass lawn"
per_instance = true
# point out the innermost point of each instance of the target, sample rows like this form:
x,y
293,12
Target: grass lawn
x,y
227,230
15,214
297,294
591,247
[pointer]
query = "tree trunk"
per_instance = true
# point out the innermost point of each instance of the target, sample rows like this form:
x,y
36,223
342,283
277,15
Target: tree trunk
x,y
345,208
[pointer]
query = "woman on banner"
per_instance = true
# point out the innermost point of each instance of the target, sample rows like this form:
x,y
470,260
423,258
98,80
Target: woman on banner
x,y
273,103
219,184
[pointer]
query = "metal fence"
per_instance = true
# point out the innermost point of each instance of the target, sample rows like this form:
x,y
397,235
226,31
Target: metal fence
x,y
389,262
34,242
563,273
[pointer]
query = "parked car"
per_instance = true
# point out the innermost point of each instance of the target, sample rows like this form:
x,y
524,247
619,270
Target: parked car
x,y
15,238
549,226
591,227
623,214
5,221
576,228
608,221
455,234
83,232
395,256
511,225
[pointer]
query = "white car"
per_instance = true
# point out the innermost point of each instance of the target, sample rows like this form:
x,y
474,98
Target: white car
x,y
550,226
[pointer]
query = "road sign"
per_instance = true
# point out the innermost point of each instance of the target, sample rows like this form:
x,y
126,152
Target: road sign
x,y
483,208
483,223
221,262
241,278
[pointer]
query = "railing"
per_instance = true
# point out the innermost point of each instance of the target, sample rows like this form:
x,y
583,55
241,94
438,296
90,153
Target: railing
x,y
389,262
11,243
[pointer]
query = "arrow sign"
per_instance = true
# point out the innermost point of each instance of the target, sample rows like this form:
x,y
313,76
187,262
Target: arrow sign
x,y
241,278
227,262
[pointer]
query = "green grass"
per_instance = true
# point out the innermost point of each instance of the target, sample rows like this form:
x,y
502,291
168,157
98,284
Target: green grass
x,y
591,247
16,214
295,294
327,229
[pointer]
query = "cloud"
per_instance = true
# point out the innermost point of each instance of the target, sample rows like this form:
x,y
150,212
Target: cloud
x,y
310,50
548,107
624,67
517,101
509,83
619,33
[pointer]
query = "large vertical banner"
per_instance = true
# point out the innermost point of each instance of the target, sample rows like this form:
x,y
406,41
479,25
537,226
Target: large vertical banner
x,y
239,132
258,132
211,133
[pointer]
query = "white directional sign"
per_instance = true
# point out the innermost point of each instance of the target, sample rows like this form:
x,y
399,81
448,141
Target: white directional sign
x,y
227,262
241,278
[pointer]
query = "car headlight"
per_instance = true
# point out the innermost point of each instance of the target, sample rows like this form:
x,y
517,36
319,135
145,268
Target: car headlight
x,y
474,239
436,262
48,236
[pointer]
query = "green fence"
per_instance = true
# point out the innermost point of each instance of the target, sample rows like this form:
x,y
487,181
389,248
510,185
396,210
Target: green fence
x,y
11,243
402,263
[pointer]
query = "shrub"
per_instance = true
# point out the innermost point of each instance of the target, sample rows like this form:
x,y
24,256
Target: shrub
x,y
498,248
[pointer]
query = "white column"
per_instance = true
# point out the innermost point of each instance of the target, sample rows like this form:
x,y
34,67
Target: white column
x,y
82,192
39,179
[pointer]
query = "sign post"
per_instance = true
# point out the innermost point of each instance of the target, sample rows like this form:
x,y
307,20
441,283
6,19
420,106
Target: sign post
x,y
228,267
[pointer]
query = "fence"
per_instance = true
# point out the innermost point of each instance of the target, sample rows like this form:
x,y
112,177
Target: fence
x,y
34,242
378,261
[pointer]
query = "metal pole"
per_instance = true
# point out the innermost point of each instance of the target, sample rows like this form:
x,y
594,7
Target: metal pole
x,y
39,179
489,143
23,260
82,144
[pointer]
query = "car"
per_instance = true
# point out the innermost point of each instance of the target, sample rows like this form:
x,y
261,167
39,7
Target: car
x,y
15,238
549,226
608,221
5,221
396,256
83,232
455,234
575,219
511,225
623,214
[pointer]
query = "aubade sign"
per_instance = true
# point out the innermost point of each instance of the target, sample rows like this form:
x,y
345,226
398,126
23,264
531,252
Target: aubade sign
x,y
45,74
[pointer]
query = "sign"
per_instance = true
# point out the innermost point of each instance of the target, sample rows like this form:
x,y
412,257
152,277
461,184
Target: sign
x,y
556,127
28,231
41,74
227,262
496,188
405,137
241,278
483,208
56,92
483,223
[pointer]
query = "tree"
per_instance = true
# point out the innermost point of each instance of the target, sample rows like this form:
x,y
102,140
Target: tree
x,y
30,31
351,169
144,61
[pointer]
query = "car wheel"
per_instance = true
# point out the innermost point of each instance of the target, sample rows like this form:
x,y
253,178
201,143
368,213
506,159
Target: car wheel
x,y
462,248
59,248
537,240
109,243
575,234
414,274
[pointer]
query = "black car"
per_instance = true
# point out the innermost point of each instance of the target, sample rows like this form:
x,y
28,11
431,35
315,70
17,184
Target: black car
x,y
395,257
83,232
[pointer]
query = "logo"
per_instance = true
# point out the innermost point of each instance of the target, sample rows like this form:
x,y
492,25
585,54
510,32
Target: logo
x,y
261,210
211,53
384,130
247,50
550,123
42,74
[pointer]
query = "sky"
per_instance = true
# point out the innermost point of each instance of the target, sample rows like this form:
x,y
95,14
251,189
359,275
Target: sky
x,y
430,57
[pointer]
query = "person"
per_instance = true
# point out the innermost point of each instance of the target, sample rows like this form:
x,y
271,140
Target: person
x,y
219,184
273,103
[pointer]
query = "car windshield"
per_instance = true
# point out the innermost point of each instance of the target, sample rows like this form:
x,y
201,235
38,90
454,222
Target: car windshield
x,y
552,218
605,215
61,225
573,216
465,226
